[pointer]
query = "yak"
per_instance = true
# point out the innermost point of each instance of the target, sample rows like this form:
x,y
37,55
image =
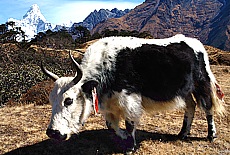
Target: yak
x,y
123,77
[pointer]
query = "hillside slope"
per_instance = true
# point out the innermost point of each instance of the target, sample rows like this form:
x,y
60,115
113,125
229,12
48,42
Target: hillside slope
x,y
207,20
219,36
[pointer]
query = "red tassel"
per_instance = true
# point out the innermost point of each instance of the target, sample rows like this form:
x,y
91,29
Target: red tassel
x,y
95,100
219,92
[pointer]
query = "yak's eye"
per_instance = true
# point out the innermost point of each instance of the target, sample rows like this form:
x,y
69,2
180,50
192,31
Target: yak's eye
x,y
68,101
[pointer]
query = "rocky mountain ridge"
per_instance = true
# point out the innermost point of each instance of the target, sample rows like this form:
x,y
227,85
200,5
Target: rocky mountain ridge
x,y
96,17
207,20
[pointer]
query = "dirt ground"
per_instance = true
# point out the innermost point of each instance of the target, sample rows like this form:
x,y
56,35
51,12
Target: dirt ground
x,y
22,131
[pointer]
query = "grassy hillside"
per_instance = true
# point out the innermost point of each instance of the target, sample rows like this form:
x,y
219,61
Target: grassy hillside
x,y
20,68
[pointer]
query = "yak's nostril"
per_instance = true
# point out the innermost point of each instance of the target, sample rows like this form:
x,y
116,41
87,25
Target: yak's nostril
x,y
55,134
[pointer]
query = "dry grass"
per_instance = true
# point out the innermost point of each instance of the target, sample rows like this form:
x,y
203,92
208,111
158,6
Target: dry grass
x,y
217,56
22,131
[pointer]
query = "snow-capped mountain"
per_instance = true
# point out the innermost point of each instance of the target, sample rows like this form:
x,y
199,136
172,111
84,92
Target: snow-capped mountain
x,y
33,22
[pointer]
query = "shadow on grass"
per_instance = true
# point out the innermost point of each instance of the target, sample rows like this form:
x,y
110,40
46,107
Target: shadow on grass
x,y
93,142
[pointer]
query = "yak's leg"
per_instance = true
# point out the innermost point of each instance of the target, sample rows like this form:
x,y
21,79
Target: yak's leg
x,y
112,122
205,100
206,103
130,109
211,125
188,117
131,129
124,139
133,113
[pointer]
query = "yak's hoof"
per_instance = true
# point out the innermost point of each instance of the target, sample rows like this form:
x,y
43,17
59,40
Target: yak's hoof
x,y
130,144
182,136
211,138
125,145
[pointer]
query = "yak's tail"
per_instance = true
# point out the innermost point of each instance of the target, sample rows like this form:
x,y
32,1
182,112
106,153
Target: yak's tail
x,y
217,95
218,103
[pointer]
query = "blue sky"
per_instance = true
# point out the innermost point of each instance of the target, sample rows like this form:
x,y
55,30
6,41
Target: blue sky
x,y
61,11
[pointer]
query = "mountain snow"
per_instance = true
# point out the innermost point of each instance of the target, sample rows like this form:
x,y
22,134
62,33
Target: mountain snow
x,y
33,22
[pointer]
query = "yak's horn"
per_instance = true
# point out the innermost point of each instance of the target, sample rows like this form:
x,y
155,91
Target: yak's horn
x,y
78,68
53,76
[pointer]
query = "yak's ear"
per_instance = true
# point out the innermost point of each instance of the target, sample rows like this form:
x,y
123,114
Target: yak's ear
x,y
89,86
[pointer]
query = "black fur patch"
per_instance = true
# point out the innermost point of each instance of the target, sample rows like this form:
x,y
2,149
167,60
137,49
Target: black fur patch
x,y
157,72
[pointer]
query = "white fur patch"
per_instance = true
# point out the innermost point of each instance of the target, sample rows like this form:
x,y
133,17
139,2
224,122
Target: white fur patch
x,y
151,105
123,105
133,105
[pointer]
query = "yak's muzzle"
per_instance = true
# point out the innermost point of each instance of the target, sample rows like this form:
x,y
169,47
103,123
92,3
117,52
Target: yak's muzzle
x,y
55,134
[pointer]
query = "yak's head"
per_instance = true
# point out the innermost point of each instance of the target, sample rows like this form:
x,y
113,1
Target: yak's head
x,y
71,101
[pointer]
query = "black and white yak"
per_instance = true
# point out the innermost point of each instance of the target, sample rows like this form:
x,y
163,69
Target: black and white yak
x,y
127,76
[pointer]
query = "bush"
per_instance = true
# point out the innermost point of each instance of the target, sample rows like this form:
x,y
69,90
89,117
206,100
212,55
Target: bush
x,y
20,68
